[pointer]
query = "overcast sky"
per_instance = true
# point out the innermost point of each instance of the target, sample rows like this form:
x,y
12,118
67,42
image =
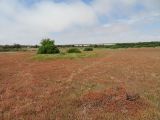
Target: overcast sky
x,y
79,21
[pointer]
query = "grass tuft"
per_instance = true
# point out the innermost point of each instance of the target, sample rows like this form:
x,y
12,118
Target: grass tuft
x,y
42,57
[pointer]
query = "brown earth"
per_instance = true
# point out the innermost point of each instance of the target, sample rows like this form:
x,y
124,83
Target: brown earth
x,y
88,88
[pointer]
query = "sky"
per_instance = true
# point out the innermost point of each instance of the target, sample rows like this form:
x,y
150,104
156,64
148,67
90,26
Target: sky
x,y
79,21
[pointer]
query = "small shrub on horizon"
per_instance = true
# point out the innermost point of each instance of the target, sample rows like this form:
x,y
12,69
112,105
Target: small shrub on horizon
x,y
73,50
88,49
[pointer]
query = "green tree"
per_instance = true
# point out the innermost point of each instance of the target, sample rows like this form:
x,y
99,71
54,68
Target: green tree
x,y
48,47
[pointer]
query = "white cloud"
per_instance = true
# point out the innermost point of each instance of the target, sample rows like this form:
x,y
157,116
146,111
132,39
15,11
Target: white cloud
x,y
76,22
42,19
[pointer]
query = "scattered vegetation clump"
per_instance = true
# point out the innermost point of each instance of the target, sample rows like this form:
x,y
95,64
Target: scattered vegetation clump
x,y
73,50
48,47
88,49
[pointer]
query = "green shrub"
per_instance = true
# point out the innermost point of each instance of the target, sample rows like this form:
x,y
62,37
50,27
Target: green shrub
x,y
48,47
73,50
88,49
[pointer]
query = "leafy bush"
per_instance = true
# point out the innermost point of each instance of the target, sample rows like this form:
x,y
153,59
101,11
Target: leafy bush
x,y
73,50
88,49
48,47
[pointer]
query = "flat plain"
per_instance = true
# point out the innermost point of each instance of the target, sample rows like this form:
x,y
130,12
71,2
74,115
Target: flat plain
x,y
84,88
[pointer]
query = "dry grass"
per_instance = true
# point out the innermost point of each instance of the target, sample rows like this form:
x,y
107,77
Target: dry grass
x,y
83,89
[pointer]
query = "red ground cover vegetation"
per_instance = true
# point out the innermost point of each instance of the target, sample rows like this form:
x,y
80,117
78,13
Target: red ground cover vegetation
x,y
88,88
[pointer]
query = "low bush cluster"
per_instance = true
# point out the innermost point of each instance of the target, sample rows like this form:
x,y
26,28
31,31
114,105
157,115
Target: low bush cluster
x,y
88,49
73,50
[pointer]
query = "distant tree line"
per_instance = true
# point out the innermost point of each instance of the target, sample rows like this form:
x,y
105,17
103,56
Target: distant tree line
x,y
128,45
66,46
16,47
134,45
118,45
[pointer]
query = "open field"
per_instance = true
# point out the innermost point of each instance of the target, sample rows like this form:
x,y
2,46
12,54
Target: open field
x,y
92,87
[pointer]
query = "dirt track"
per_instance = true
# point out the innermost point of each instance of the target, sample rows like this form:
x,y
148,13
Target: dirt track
x,y
57,89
